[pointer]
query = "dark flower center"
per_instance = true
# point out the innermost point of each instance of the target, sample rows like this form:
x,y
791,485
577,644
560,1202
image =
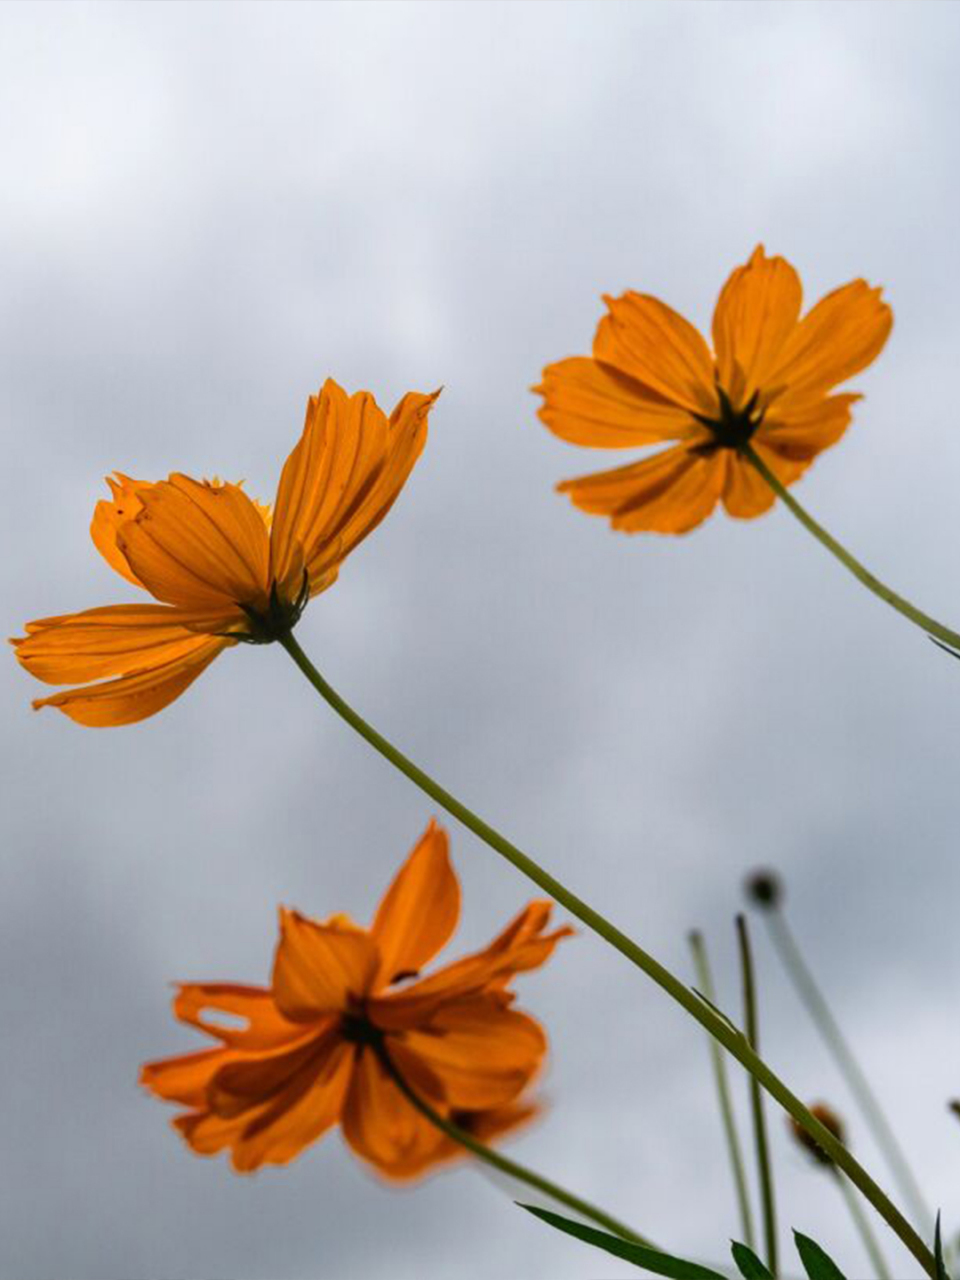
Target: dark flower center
x,y
358,1029
731,428
278,619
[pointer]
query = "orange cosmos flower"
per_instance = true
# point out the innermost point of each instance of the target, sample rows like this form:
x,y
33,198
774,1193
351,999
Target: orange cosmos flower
x,y
653,379
344,998
222,568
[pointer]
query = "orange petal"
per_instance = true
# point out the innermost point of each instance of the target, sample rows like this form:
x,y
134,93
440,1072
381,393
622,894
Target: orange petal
x,y
110,513
137,696
319,967
522,946
487,1125
589,403
803,433
841,335
298,1116
120,639
200,546
746,494
341,479
653,344
756,313
380,1124
672,492
252,1079
419,911
186,1078
482,1053
276,1131
207,1134
266,1027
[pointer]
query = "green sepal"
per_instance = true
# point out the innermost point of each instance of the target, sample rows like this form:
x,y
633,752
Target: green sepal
x,y
661,1264
748,1264
816,1262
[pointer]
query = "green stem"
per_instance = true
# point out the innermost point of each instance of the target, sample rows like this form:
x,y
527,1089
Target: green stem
x,y
789,952
719,1027
705,982
872,583
505,1165
756,1098
863,1227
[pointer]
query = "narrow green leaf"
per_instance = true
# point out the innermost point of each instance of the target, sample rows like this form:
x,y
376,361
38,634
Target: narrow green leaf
x,y
946,649
749,1265
716,1008
938,1252
661,1264
817,1263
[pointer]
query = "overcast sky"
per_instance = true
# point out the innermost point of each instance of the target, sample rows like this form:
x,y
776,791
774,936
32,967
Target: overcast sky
x,y
206,210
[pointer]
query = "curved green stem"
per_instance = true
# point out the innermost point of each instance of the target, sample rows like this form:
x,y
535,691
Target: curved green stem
x,y
710,1019
705,983
756,1099
504,1165
786,946
863,1227
920,619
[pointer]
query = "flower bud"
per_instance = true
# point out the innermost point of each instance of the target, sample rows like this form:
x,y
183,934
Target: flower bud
x,y
830,1120
764,888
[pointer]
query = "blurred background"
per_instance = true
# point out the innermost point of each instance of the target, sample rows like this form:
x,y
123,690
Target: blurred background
x,y
209,208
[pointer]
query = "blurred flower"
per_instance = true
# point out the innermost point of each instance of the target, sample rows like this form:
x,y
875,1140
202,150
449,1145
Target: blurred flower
x,y
653,379
343,1001
830,1120
224,569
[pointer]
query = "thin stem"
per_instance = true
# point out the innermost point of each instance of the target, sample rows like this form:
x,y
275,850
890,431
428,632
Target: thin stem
x,y
505,1165
872,583
756,1098
870,1242
719,1027
705,983
810,994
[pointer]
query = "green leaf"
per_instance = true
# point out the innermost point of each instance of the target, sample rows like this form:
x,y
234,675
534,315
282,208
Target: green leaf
x,y
953,654
817,1264
938,1252
749,1265
661,1264
716,1008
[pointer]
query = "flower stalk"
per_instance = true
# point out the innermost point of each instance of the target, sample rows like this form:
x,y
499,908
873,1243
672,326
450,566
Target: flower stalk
x,y
863,1227
724,1031
810,994
920,619
756,1098
505,1165
705,983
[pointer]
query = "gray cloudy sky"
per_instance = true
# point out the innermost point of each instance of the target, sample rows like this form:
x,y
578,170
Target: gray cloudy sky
x,y
206,210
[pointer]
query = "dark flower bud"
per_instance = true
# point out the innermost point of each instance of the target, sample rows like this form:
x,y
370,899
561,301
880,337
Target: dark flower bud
x,y
764,888
830,1120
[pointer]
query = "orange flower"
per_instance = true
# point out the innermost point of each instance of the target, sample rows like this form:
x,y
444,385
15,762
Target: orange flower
x,y
222,568
312,1051
653,379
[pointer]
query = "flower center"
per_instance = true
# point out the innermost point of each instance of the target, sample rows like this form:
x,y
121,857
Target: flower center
x,y
278,619
358,1029
731,428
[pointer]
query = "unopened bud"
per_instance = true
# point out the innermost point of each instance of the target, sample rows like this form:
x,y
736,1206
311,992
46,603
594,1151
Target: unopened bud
x,y
764,888
830,1120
